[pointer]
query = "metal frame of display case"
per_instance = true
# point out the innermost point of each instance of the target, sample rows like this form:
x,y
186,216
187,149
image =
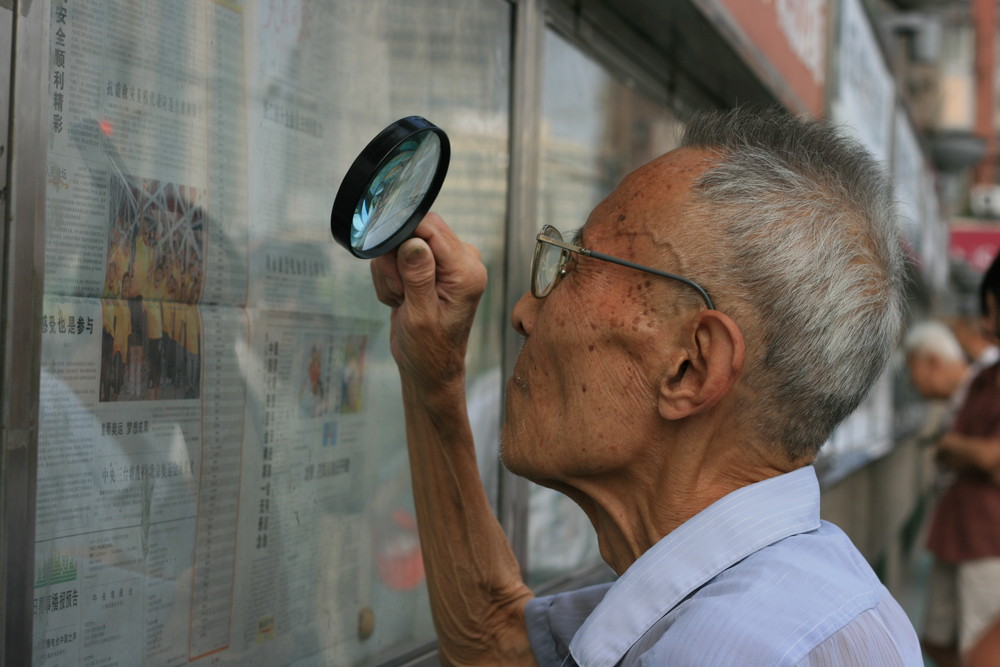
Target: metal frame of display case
x,y
23,250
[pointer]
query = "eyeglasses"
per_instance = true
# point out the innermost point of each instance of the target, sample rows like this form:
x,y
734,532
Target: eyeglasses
x,y
551,254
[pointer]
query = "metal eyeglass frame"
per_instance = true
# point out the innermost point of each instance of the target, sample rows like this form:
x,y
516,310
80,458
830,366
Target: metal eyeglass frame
x,y
551,236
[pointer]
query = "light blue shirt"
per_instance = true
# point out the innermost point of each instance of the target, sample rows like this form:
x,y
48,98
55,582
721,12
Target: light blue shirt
x,y
754,579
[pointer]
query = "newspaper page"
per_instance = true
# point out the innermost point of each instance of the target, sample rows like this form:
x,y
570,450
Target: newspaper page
x,y
213,483
137,494
142,146
142,400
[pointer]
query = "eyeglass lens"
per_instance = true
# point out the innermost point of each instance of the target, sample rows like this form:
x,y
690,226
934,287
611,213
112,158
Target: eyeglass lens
x,y
548,261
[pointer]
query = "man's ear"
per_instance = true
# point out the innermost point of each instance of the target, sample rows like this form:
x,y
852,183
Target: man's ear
x,y
707,369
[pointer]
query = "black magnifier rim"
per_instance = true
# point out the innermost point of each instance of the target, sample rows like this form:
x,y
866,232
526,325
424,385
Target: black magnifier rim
x,y
363,170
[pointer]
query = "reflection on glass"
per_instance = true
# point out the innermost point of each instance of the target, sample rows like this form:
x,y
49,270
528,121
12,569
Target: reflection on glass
x,y
396,191
216,473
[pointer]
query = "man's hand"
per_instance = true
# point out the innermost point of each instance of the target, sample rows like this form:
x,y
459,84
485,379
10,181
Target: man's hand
x,y
433,283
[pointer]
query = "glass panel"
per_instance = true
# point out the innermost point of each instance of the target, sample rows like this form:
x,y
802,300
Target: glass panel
x,y
222,468
595,130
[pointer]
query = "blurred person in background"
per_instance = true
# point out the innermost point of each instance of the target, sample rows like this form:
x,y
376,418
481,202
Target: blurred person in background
x,y
937,363
963,613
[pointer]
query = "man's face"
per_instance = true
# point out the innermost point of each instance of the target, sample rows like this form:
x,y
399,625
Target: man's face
x,y
583,397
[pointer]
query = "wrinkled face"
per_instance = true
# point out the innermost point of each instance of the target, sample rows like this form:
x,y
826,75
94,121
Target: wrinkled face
x,y
582,399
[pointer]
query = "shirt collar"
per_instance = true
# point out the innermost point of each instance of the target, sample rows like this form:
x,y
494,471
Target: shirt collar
x,y
722,534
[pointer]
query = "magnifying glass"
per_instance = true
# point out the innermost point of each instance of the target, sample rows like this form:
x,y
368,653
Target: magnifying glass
x,y
390,187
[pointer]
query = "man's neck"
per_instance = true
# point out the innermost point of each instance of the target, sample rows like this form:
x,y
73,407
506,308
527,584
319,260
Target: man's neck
x,y
633,510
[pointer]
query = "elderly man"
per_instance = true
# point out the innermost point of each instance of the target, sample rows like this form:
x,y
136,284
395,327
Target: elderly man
x,y
684,359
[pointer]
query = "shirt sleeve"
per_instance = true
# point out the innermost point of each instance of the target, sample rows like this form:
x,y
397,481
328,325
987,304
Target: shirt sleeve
x,y
879,637
553,621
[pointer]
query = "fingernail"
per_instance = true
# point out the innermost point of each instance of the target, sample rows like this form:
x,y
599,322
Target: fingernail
x,y
414,254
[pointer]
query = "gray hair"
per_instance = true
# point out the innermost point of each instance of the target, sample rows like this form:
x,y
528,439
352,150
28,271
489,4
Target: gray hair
x,y
807,222
933,338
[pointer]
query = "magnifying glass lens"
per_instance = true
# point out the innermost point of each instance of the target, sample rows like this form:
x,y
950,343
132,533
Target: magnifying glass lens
x,y
396,191
390,186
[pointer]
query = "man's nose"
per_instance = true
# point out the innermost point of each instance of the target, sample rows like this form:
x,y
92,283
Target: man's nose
x,y
524,313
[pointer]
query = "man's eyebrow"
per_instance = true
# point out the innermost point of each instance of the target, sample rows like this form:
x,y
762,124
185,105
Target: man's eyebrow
x,y
577,237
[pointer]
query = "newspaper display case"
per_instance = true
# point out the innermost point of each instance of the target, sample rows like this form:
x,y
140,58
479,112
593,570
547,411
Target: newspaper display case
x,y
217,480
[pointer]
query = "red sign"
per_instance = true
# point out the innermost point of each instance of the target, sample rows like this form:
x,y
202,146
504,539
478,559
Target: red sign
x,y
976,245
783,42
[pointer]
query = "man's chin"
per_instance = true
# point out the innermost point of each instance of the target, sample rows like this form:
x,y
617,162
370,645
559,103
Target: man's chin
x,y
509,457
505,457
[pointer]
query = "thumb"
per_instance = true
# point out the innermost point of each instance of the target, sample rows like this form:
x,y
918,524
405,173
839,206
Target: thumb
x,y
417,270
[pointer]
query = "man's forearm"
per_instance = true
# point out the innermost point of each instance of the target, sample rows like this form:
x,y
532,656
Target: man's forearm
x,y
476,591
433,284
